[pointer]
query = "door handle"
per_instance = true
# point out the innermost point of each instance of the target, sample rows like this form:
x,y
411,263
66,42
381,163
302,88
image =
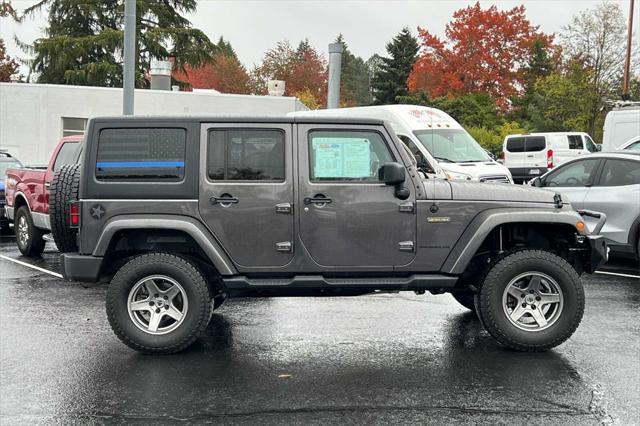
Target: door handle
x,y
47,185
318,199
224,199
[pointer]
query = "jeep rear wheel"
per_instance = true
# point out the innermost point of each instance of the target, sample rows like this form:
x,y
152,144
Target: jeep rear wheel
x,y
531,300
158,303
28,237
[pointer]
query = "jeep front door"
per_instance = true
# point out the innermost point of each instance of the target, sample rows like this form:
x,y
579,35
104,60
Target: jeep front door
x,y
348,217
246,191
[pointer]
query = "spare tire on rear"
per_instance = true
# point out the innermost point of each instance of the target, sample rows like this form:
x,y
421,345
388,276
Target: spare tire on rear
x,y
64,188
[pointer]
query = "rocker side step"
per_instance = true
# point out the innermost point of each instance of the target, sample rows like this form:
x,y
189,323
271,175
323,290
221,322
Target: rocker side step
x,y
412,282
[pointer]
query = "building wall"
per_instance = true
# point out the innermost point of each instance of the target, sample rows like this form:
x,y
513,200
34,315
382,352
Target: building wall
x,y
31,114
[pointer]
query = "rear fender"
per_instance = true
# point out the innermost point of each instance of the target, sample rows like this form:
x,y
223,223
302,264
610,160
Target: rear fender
x,y
193,228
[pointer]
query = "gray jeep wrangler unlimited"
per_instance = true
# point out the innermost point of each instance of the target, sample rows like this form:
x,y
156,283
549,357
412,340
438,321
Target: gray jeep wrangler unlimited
x,y
181,213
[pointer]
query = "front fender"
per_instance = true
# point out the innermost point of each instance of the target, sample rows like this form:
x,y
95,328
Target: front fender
x,y
486,221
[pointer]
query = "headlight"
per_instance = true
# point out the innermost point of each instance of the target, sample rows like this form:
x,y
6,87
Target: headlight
x,y
458,176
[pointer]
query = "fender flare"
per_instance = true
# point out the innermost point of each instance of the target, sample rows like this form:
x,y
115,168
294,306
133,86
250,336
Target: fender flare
x,y
485,222
193,228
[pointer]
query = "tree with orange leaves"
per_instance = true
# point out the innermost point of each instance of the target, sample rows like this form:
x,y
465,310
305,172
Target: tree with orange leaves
x,y
484,52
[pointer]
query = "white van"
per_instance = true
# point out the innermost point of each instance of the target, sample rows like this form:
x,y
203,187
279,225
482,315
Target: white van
x,y
439,143
528,155
621,125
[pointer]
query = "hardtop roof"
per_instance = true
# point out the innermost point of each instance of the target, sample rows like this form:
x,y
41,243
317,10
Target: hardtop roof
x,y
238,119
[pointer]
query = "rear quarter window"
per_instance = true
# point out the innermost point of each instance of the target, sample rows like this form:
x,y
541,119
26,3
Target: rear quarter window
x,y
141,154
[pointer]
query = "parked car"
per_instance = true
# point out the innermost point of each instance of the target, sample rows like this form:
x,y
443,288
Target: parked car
x,y
528,155
27,196
608,183
440,144
621,124
179,213
6,161
632,144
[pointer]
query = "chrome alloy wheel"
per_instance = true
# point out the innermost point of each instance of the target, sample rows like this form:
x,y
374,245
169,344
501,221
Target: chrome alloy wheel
x,y
157,304
533,301
23,231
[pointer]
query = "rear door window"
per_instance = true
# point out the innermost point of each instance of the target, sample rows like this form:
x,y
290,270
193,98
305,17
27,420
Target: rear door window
x,y
534,143
620,173
246,154
515,144
143,154
68,154
578,173
575,142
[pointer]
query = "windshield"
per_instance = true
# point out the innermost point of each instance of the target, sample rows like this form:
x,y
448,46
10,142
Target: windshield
x,y
4,165
452,145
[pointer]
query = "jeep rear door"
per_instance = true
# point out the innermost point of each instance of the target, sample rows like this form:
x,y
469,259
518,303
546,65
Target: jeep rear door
x,y
246,191
348,218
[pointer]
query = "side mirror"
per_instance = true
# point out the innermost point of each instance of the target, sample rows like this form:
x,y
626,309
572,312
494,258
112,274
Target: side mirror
x,y
537,182
391,174
598,147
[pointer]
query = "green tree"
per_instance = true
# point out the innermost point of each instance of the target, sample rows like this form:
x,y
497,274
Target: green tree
x,y
83,42
563,101
355,87
390,77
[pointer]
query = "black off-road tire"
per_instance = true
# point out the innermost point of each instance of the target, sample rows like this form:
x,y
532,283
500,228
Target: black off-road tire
x,y
178,268
64,188
491,312
34,245
466,299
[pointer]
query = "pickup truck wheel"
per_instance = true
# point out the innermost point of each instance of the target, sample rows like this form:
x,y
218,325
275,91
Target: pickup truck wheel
x,y
28,237
158,303
64,188
531,300
465,299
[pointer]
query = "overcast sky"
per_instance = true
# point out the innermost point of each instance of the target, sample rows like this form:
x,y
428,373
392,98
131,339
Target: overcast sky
x,y
254,26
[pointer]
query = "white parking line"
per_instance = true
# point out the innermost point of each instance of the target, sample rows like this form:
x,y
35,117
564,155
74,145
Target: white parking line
x,y
617,274
37,268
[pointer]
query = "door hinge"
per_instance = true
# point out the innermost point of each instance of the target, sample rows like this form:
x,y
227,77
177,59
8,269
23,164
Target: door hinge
x,y
284,247
407,207
284,208
406,246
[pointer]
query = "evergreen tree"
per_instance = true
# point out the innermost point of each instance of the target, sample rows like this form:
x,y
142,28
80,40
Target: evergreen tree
x,y
8,65
354,78
83,42
390,79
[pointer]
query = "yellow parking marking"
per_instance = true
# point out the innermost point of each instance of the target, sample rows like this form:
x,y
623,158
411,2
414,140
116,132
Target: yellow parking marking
x,y
37,268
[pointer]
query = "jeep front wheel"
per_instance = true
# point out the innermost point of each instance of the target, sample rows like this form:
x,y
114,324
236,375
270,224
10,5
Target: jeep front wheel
x,y
531,300
158,303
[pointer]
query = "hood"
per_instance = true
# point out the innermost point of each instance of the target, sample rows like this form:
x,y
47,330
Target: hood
x,y
500,192
482,168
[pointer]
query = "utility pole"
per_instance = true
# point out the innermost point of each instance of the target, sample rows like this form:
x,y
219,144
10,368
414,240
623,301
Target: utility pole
x,y
335,67
128,85
627,62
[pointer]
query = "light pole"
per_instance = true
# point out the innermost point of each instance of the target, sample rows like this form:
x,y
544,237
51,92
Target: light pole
x,y
128,85
627,62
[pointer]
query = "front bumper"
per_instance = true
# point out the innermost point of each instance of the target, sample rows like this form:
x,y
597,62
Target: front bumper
x,y
78,267
598,250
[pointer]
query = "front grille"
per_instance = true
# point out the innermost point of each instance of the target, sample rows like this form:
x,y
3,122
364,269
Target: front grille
x,y
495,179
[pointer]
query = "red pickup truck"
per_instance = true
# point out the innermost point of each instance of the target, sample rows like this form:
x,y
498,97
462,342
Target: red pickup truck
x,y
27,196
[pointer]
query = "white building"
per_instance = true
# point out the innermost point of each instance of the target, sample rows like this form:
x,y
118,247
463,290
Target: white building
x,y
33,117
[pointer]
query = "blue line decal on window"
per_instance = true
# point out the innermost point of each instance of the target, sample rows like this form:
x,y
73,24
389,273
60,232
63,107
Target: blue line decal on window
x,y
138,164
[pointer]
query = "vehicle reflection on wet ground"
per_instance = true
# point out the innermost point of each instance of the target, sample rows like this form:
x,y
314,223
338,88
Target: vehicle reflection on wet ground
x,y
373,359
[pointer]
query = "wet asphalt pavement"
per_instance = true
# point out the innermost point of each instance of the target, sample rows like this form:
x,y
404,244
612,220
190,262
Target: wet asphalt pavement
x,y
371,359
